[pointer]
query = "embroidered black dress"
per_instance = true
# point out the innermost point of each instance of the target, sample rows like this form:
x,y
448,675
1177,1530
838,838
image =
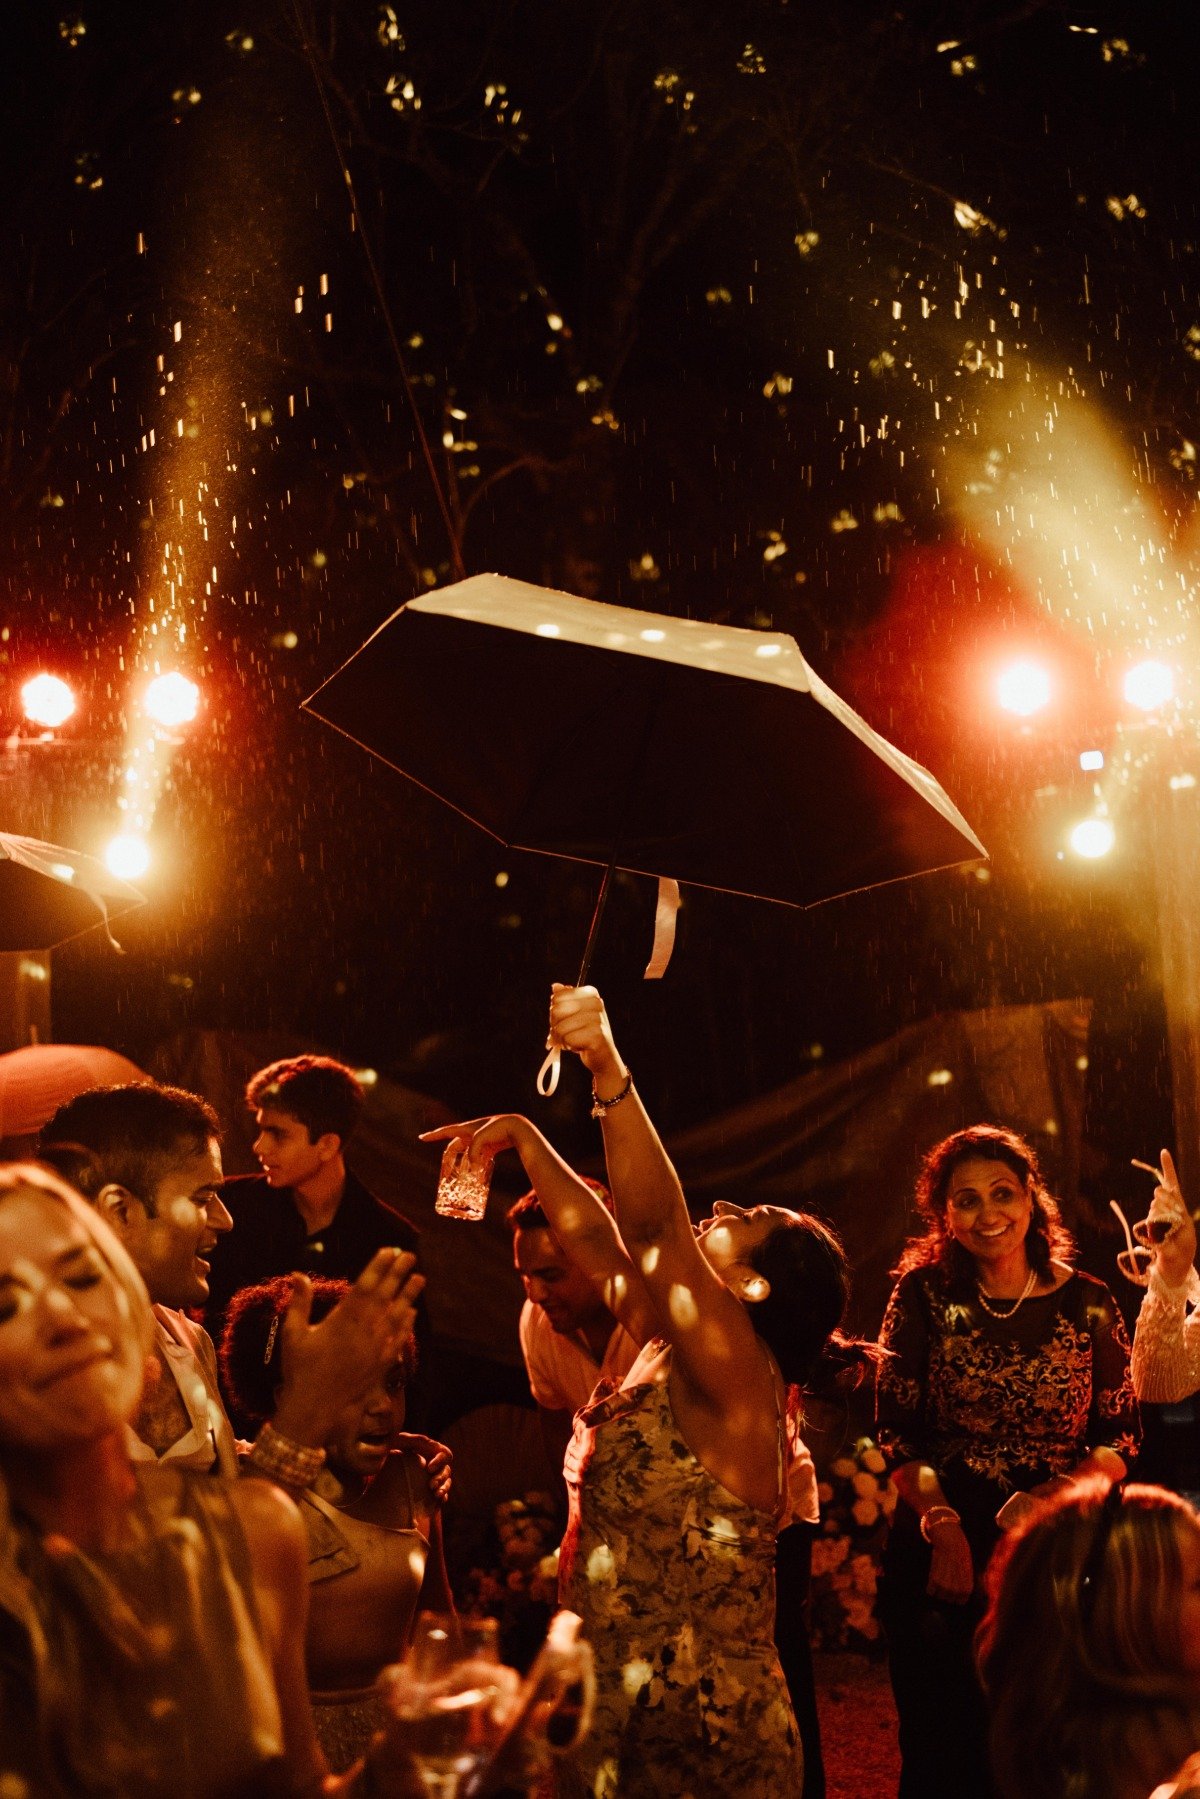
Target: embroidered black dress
x,y
995,1406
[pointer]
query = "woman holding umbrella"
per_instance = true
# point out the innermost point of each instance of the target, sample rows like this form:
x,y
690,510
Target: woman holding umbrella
x,y
1007,1376
677,1479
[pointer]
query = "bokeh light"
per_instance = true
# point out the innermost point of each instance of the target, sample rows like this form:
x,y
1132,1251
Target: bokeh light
x,y
1149,685
47,700
127,856
171,700
1024,687
1092,838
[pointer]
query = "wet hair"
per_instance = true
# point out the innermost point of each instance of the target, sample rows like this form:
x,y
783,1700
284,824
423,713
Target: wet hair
x,y
809,1276
1048,1239
251,1351
319,1093
30,1177
133,1136
1080,1649
527,1213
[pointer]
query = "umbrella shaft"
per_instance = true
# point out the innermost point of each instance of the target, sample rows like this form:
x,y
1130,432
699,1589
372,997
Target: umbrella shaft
x,y
597,915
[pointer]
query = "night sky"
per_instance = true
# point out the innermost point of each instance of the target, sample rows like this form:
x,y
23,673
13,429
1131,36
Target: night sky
x,y
771,314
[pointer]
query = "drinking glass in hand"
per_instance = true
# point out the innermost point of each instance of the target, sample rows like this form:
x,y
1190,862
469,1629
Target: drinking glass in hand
x,y
462,1187
443,1691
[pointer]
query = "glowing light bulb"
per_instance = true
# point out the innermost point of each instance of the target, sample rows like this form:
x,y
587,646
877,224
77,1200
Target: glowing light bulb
x,y
1149,685
127,856
1092,838
46,700
1023,688
171,700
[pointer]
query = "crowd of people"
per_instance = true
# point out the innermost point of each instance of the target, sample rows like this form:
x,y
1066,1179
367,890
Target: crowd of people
x,y
216,1538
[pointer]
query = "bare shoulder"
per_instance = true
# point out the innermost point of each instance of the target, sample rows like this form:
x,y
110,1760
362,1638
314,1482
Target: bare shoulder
x,y
272,1525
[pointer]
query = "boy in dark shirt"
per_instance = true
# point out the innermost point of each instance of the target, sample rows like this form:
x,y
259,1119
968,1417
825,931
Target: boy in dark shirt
x,y
306,1211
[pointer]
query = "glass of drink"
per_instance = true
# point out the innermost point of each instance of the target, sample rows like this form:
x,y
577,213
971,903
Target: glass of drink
x,y
443,1692
463,1186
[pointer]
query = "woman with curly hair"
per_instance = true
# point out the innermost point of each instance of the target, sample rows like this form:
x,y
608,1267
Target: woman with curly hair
x,y
1090,1649
1007,1375
372,1518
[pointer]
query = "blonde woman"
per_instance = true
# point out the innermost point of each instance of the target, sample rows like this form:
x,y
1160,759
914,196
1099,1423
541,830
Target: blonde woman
x,y
151,1620
1090,1649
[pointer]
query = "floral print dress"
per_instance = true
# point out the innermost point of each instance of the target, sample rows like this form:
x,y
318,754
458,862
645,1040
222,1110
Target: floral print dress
x,y
675,1581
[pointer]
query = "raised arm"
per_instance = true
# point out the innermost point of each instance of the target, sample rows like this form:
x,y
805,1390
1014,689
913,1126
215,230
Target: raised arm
x,y
1166,1342
716,1347
578,1217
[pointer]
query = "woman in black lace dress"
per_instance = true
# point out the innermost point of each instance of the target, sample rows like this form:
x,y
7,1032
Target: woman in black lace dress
x,y
1008,1375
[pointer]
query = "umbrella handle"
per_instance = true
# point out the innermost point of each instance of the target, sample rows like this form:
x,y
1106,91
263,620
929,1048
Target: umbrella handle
x,y
548,1073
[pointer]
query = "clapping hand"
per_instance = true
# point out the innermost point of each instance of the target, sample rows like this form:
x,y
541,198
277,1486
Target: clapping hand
x,y
327,1366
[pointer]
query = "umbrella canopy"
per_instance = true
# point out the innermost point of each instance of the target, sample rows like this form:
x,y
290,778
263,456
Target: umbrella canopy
x,y
38,1078
698,752
49,894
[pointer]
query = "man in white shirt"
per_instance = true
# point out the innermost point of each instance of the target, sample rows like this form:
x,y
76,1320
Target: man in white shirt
x,y
569,1338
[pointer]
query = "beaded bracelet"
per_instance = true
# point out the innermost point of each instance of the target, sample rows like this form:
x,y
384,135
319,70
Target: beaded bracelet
x,y
277,1456
601,1106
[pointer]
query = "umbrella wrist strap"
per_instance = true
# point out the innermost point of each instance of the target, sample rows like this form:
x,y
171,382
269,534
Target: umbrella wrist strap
x,y
548,1073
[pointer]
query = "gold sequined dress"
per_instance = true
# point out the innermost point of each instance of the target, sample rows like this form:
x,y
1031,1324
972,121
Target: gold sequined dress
x,y
159,1647
675,1581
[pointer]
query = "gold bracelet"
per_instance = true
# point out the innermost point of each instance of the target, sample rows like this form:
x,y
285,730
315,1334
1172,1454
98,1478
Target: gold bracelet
x,y
601,1106
937,1514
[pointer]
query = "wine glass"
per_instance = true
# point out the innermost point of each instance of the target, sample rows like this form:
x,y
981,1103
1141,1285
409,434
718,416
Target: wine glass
x,y
443,1691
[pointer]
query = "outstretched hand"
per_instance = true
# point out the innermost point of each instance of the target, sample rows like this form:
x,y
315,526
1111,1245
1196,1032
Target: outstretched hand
x,y
329,1365
480,1140
579,1023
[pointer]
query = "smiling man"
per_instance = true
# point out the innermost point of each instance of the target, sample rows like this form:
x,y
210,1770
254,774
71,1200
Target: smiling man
x,y
148,1159
569,1338
306,1211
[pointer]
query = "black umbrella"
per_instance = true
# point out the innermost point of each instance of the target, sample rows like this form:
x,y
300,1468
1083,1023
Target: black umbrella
x,y
667,747
49,894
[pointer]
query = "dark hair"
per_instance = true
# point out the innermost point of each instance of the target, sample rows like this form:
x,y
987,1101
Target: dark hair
x,y
809,1276
74,1164
321,1094
132,1135
251,1350
1079,1652
1048,1240
527,1213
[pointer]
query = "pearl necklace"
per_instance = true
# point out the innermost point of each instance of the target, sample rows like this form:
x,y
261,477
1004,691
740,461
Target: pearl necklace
x,y
1015,1306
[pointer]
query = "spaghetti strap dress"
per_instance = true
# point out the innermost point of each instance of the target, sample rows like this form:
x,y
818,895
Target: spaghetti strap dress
x,y
674,1579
